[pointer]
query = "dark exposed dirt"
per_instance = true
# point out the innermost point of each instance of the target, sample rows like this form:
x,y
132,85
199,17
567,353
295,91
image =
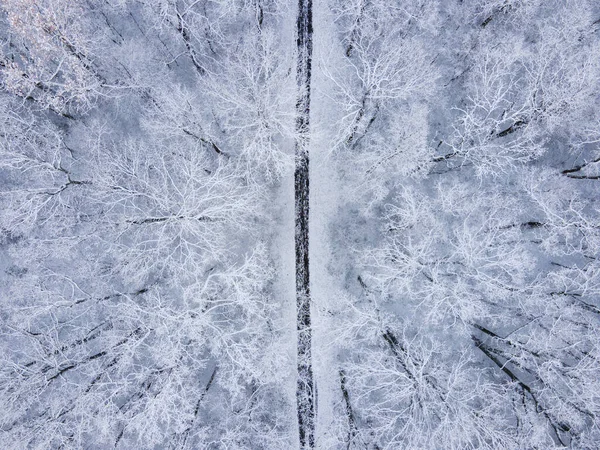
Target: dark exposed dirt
x,y
305,391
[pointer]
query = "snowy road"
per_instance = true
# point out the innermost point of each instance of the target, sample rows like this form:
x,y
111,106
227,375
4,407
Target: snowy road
x,y
305,392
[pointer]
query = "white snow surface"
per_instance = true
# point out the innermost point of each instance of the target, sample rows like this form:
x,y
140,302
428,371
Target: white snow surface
x,y
325,199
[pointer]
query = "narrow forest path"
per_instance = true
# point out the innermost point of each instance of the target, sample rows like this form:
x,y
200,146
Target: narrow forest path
x,y
305,392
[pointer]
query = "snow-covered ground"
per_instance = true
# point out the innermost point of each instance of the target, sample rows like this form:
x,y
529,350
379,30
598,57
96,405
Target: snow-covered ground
x,y
325,199
284,289
283,249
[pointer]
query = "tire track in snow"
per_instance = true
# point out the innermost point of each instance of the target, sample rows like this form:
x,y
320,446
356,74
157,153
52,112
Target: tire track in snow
x,y
305,390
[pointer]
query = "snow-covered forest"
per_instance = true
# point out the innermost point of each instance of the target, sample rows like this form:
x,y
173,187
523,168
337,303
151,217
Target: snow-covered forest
x,y
317,224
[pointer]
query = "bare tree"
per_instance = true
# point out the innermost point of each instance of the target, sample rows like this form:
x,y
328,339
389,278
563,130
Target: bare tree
x,y
137,309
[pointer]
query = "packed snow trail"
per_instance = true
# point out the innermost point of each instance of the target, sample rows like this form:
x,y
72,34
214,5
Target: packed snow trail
x,y
305,390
